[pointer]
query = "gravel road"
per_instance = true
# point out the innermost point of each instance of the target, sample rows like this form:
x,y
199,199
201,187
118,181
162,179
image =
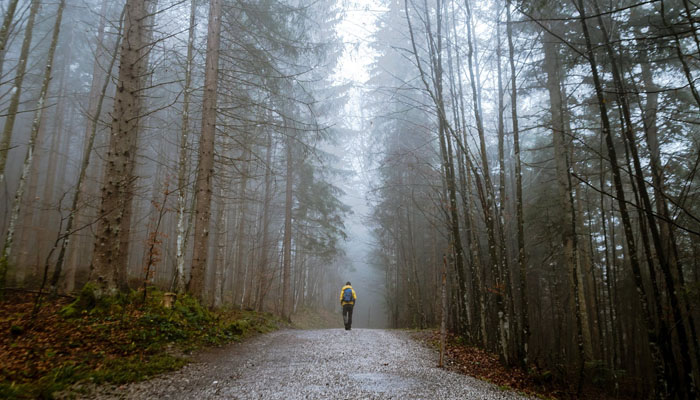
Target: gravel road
x,y
320,364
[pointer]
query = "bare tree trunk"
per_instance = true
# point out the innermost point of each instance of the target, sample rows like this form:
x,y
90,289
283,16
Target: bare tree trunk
x,y
16,207
287,240
183,161
205,169
522,262
608,269
443,314
241,263
265,251
5,30
220,261
9,126
480,276
509,313
110,255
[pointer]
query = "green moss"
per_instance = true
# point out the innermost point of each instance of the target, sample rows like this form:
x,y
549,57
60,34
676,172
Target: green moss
x,y
87,301
44,388
136,368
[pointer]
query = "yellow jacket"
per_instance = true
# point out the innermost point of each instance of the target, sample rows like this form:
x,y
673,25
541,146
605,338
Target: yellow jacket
x,y
354,295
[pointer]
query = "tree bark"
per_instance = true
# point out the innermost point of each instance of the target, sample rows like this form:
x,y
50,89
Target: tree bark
x,y
205,169
110,254
241,263
287,240
183,160
5,31
522,261
264,251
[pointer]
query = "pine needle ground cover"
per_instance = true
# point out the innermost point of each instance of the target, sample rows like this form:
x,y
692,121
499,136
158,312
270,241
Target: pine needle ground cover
x,y
114,340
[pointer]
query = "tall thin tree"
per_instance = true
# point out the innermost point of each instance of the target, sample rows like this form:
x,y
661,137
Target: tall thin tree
x,y
205,167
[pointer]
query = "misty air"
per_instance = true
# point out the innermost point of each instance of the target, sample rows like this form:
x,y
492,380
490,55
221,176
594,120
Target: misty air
x,y
371,199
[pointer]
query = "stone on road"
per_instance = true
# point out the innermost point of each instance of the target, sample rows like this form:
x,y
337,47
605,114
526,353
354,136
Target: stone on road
x,y
318,364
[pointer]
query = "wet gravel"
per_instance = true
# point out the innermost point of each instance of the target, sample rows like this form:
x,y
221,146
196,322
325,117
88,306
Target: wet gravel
x,y
320,364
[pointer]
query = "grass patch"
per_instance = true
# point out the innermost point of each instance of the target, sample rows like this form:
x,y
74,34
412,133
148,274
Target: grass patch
x,y
112,340
136,368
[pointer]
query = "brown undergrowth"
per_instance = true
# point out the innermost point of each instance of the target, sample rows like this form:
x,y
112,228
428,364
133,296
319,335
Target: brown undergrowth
x,y
481,364
115,340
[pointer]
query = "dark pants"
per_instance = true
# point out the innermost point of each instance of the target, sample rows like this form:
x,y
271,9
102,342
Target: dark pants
x,y
347,315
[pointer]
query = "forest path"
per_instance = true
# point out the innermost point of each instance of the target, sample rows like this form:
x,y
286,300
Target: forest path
x,y
317,364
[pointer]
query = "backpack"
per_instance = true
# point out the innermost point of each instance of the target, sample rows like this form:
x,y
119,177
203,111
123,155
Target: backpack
x,y
347,295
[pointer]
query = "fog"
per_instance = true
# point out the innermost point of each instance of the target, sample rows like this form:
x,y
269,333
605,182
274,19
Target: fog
x,y
523,173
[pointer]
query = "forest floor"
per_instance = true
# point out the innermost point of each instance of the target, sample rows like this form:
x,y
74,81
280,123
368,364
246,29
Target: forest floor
x,y
478,363
85,343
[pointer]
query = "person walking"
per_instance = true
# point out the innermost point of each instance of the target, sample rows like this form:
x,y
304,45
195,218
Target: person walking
x,y
348,297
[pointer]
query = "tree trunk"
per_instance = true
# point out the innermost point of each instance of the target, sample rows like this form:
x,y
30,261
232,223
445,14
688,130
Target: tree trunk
x,y
220,261
522,262
183,160
110,255
205,169
509,313
287,240
265,251
9,126
568,220
5,31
